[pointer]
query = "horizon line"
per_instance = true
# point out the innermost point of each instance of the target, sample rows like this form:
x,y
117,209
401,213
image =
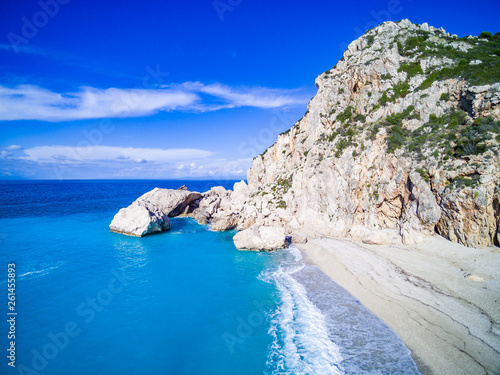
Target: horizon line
x,y
124,179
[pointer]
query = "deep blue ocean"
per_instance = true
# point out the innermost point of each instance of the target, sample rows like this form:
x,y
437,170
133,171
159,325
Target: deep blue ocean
x,y
92,302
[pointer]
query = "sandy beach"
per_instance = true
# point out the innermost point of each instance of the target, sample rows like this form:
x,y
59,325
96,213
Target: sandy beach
x,y
443,299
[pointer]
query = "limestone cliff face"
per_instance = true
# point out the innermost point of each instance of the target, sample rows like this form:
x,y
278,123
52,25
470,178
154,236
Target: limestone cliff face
x,y
400,140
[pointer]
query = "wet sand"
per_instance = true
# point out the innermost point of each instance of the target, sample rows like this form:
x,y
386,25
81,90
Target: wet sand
x,y
441,298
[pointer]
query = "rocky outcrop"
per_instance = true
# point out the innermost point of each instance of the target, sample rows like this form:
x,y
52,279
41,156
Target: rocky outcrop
x,y
401,142
137,220
261,238
150,212
392,143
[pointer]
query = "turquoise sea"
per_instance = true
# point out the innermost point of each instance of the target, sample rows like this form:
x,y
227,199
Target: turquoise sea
x,y
92,302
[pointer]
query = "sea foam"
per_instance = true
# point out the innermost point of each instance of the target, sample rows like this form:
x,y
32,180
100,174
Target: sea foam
x,y
300,342
319,328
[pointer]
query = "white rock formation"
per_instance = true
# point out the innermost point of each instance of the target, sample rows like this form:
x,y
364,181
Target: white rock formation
x,y
261,238
171,202
150,212
137,220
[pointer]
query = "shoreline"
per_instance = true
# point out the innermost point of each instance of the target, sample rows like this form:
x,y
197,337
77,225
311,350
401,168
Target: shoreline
x,y
441,298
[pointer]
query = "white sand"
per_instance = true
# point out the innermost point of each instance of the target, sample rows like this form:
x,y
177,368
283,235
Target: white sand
x,y
443,299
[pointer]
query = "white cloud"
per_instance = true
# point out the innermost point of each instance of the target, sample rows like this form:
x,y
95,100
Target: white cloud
x,y
9,151
27,102
70,162
261,97
223,168
71,155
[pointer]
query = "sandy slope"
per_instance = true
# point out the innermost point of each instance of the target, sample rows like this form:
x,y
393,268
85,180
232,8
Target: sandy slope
x,y
443,299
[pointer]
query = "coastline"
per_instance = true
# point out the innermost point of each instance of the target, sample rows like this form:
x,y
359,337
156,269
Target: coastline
x,y
441,298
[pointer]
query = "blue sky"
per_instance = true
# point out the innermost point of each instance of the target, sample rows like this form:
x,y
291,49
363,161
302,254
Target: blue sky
x,y
175,89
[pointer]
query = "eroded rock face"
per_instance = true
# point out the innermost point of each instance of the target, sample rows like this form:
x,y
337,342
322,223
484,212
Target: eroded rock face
x,y
171,202
150,212
261,238
137,220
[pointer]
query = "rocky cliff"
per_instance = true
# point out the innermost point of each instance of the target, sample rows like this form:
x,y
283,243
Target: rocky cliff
x,y
400,142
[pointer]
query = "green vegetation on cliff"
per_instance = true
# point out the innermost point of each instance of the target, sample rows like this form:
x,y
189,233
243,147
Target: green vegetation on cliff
x,y
451,135
476,59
